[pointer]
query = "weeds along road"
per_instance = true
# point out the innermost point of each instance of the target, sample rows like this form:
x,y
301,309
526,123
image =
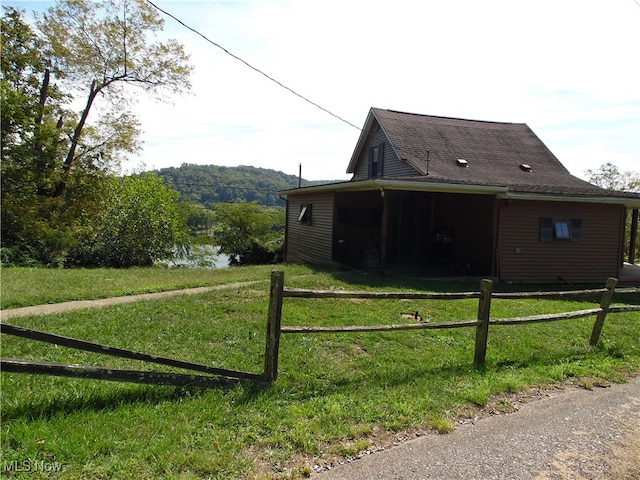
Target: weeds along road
x,y
569,434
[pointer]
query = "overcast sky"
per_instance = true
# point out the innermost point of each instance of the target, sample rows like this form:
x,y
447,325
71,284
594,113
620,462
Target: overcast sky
x,y
568,69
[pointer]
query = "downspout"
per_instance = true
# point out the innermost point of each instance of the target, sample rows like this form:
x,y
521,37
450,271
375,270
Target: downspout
x,y
383,232
634,236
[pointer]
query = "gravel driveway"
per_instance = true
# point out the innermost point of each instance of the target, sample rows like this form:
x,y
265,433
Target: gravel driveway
x,y
572,433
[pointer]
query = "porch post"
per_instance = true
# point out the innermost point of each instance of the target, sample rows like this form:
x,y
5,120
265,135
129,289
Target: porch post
x,y
383,232
634,236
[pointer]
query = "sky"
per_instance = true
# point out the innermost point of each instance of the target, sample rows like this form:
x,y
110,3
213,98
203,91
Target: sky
x,y
568,69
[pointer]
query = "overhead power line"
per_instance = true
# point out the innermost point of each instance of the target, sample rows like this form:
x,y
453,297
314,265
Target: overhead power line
x,y
251,66
228,187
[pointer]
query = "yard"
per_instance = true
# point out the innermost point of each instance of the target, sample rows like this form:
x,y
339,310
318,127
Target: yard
x,y
335,395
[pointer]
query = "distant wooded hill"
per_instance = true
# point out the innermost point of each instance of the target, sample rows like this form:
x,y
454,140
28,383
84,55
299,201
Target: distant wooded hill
x,y
212,183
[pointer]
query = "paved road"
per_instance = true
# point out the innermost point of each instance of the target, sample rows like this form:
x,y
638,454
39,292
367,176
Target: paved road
x,y
571,434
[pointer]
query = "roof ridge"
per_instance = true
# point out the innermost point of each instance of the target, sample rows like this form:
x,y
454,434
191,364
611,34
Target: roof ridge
x,y
449,118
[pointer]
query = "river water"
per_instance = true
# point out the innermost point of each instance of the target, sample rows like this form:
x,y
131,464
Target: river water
x,y
200,256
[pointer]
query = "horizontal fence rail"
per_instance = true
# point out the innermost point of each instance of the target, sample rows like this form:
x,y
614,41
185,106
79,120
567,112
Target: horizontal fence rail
x,y
379,328
14,365
305,293
119,352
484,296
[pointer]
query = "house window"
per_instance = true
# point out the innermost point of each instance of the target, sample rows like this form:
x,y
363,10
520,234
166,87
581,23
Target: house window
x,y
560,229
305,214
376,156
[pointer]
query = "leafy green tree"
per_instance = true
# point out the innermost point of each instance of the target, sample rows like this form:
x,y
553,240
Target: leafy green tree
x,y
141,223
199,219
249,233
102,49
610,177
34,226
56,162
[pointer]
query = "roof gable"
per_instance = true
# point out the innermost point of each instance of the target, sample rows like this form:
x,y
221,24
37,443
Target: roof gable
x,y
496,153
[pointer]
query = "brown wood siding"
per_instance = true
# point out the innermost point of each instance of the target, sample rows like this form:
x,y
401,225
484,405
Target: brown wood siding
x,y
310,243
392,165
523,257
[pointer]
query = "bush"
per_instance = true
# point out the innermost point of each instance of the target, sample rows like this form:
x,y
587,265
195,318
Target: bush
x,y
249,233
141,223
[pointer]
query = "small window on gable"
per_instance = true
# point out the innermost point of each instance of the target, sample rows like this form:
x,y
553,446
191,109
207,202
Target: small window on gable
x,y
376,157
305,214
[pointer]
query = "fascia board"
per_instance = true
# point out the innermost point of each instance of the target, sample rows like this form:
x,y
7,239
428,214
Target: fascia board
x,y
628,202
381,184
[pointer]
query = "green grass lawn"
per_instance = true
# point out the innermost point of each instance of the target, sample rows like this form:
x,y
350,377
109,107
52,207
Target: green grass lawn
x,y
335,394
23,287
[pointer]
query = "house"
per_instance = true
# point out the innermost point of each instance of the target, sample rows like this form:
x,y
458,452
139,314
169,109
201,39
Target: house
x,y
435,195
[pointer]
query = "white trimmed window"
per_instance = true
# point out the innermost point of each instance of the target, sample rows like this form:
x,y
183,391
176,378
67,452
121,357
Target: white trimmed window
x,y
551,229
304,216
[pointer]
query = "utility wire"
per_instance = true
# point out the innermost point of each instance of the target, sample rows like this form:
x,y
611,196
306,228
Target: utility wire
x,y
230,187
251,66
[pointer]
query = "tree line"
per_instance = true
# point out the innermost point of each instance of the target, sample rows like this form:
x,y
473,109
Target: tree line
x,y
209,184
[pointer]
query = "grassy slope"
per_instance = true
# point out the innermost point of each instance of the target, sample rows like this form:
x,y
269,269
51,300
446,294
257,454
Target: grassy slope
x,y
334,393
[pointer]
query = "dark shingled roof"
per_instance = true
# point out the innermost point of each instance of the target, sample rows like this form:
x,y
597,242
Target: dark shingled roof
x,y
494,152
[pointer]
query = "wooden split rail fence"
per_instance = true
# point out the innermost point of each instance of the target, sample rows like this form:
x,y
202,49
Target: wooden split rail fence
x,y
481,323
217,376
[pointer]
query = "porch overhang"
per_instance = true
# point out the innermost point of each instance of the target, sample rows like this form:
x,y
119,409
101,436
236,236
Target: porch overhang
x,y
630,203
501,192
404,185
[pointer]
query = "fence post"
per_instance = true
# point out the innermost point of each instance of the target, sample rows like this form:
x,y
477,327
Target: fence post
x,y
482,330
605,301
273,326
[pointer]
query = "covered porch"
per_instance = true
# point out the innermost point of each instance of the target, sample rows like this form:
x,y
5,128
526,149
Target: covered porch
x,y
424,232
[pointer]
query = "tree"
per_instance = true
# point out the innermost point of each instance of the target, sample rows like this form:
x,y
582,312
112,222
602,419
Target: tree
x,y
141,223
56,161
250,233
32,141
99,49
199,219
609,176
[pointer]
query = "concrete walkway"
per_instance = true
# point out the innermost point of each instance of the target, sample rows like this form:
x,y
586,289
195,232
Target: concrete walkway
x,y
67,306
